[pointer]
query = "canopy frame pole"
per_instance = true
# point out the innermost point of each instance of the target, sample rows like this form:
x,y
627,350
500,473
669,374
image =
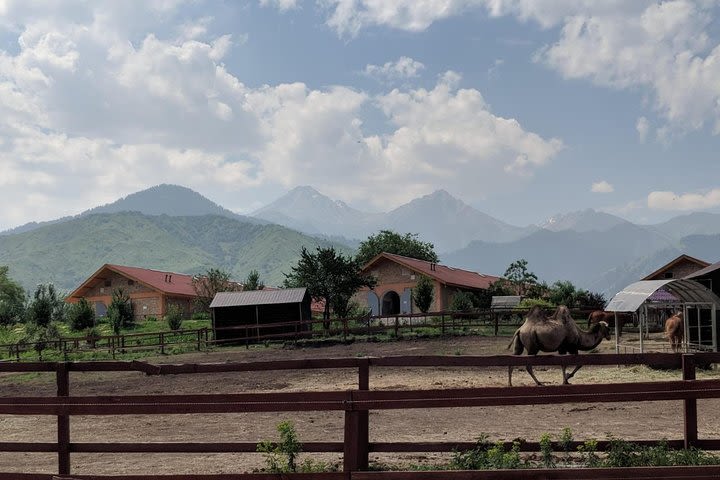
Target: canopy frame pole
x,y
617,336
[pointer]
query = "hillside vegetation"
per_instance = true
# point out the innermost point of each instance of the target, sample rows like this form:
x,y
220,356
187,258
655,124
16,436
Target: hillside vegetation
x,y
67,253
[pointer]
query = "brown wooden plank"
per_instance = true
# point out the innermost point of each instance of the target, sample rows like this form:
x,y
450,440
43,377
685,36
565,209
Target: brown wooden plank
x,y
28,447
191,447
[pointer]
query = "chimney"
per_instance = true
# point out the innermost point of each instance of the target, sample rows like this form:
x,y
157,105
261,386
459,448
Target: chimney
x,y
169,278
432,267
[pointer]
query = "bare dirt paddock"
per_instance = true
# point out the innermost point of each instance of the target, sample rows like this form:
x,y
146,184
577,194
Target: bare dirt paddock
x,y
646,420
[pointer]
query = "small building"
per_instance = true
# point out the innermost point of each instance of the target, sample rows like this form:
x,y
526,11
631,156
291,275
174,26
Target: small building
x,y
397,276
151,292
709,277
246,312
680,267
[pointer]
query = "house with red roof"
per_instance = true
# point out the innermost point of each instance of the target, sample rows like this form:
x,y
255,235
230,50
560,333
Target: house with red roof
x,y
151,292
397,275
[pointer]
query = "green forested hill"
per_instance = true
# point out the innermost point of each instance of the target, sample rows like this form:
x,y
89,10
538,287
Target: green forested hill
x,y
67,253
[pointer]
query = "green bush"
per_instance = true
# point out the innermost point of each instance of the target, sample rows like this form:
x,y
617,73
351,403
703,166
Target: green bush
x,y
80,315
486,456
173,317
120,313
528,303
462,302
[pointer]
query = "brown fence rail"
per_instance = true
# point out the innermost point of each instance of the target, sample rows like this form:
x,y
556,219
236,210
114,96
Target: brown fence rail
x,y
444,322
356,404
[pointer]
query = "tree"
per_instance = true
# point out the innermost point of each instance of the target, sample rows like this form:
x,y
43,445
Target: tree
x,y
423,293
120,311
590,300
46,306
253,282
562,292
388,241
12,299
173,317
519,277
462,302
206,286
329,276
80,315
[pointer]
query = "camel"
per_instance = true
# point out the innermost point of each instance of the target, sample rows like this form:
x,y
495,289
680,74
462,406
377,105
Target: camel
x,y
675,331
598,316
558,333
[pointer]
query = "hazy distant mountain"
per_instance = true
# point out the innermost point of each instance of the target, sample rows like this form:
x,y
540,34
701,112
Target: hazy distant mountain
x,y
165,199
439,218
581,257
307,210
66,253
582,221
450,223
699,223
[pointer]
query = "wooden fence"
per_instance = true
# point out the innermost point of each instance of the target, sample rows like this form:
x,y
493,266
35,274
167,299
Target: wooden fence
x,y
356,405
445,323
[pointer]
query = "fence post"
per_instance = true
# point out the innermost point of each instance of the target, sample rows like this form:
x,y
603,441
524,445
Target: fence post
x,y
397,326
690,417
162,343
354,453
363,431
63,421
496,321
199,339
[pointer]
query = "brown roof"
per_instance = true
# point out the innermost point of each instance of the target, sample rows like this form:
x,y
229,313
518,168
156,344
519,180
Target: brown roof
x,y
442,273
169,283
683,257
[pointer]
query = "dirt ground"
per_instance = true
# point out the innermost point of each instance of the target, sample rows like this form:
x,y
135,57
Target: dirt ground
x,y
647,420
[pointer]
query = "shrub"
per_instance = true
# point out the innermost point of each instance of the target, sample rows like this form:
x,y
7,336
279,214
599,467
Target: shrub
x,y
423,293
119,313
81,315
486,456
528,303
41,336
46,306
462,302
173,317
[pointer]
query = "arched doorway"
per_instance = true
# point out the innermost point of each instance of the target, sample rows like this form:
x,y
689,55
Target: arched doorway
x,y
391,303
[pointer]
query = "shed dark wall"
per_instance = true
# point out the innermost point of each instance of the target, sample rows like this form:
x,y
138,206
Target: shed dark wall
x,y
266,314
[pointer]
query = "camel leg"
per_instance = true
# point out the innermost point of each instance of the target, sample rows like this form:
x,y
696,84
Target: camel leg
x,y
530,371
571,374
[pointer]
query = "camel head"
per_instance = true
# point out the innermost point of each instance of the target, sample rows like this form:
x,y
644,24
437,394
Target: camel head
x,y
603,328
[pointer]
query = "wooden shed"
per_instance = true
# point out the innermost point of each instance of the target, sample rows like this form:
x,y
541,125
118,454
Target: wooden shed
x,y
253,309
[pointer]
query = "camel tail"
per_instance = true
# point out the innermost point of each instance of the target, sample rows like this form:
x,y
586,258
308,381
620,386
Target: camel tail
x,y
512,341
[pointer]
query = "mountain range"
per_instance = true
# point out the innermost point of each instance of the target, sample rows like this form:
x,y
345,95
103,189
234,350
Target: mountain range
x,y
174,228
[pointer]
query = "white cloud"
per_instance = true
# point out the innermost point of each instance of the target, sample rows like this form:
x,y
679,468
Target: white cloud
x,y
493,71
402,69
683,202
668,48
97,103
643,127
602,187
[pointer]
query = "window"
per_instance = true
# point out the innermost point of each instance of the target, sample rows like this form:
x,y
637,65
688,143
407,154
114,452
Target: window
x,y
107,283
668,275
131,282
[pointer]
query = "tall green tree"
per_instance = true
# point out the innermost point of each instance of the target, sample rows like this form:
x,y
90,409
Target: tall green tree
x,y
407,245
329,276
12,299
520,278
46,306
563,292
424,293
253,282
120,312
206,286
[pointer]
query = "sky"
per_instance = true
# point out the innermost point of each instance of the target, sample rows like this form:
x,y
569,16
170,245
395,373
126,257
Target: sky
x,y
521,108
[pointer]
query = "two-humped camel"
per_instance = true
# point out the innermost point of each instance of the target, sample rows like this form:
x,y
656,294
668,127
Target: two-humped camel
x,y
558,333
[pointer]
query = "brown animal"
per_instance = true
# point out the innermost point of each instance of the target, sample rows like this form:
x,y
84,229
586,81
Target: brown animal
x,y
558,333
609,317
675,331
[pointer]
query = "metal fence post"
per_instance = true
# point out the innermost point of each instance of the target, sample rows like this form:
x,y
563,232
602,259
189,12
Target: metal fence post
x,y
63,420
690,410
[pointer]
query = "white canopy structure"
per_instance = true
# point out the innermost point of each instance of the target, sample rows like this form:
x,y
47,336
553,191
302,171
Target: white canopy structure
x,y
700,328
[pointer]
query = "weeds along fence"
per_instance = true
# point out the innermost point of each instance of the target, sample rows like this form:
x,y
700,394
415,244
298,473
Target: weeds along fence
x,y
394,326
356,405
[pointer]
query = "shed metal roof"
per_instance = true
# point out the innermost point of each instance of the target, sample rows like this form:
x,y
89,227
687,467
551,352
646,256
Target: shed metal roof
x,y
634,295
505,301
705,271
258,297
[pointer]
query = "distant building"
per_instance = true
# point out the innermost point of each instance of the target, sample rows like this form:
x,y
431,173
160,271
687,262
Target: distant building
x,y
397,276
245,313
151,292
680,267
709,277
